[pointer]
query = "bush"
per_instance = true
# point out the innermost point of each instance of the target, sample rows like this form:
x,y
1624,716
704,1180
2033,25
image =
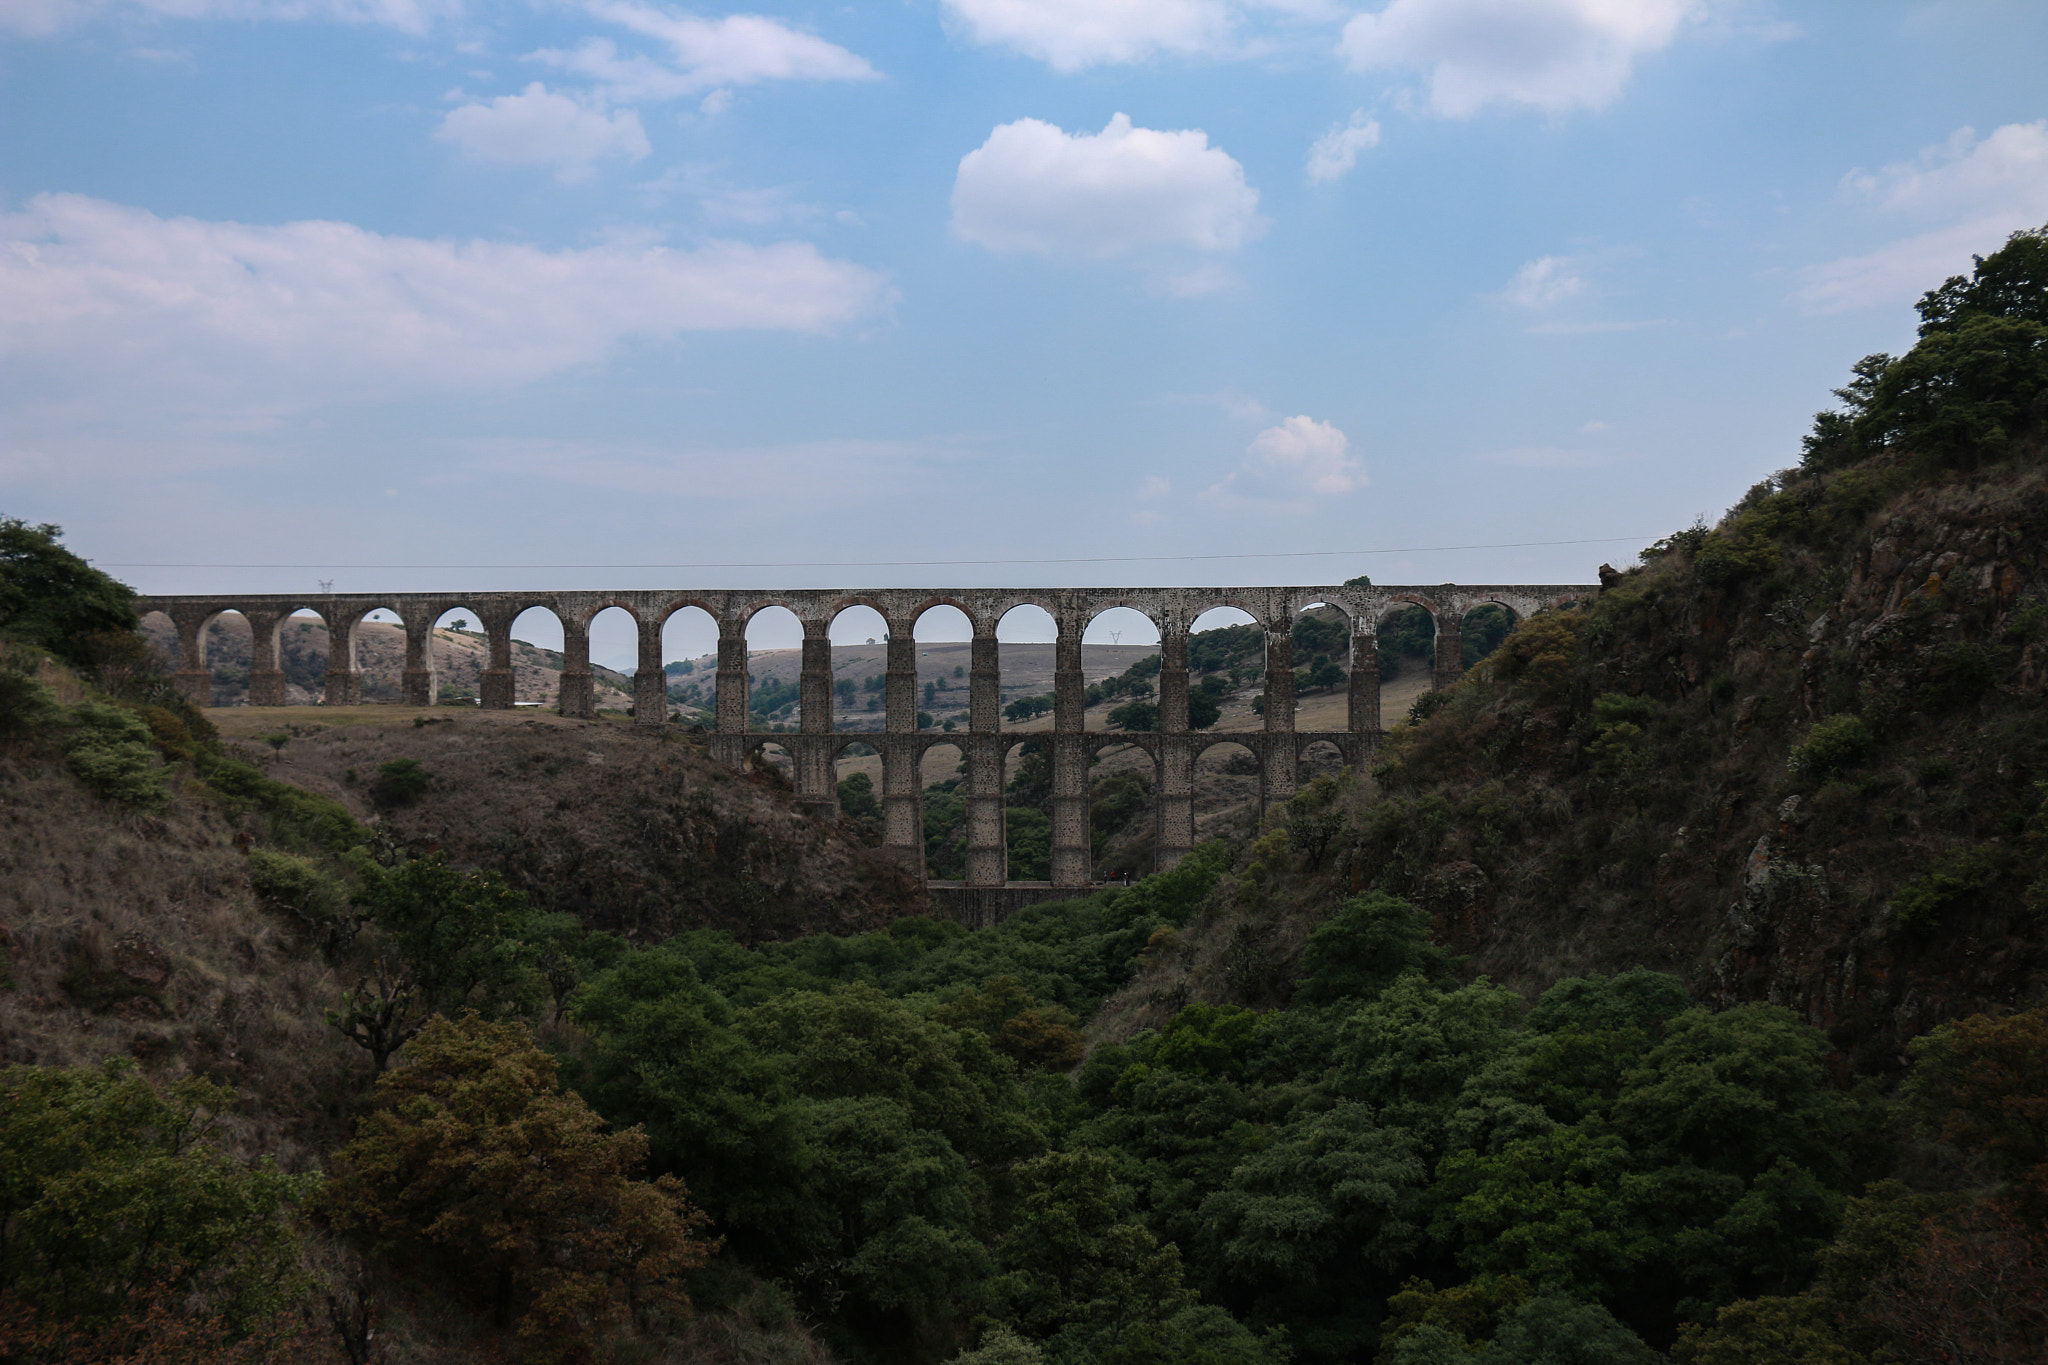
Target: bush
x,y
295,886
1954,876
1723,559
400,782
1835,744
115,756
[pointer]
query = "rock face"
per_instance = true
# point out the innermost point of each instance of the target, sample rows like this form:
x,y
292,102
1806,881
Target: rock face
x,y
629,832
1802,758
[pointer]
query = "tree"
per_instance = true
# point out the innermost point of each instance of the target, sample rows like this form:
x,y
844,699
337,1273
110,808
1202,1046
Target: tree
x,y
1368,943
446,940
857,797
114,1197
54,600
477,1162
1982,1083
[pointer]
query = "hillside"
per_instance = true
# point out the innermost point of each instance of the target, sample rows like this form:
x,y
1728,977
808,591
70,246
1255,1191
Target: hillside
x,y
639,836
1800,756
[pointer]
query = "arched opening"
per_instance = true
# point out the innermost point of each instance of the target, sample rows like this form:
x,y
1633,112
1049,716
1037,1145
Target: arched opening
x,y
377,656
1226,669
774,670
1322,667
858,775
689,667
860,668
160,633
1025,637
1120,665
1226,792
614,658
462,651
1027,811
1484,627
1407,649
1123,812
1320,759
772,763
944,653
537,658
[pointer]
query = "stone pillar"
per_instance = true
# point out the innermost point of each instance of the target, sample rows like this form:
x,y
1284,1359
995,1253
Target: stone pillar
x,y
1365,679
1450,649
1277,782
985,684
817,790
899,688
902,802
988,854
650,684
730,688
344,683
266,678
576,697
417,688
902,765
194,679
988,857
815,682
494,690
1174,775
1070,850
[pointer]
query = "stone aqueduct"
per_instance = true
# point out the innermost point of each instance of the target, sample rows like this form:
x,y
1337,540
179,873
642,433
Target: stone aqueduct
x,y
815,748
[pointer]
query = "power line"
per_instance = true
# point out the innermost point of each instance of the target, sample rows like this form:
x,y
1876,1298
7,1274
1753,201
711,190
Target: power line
x,y
924,563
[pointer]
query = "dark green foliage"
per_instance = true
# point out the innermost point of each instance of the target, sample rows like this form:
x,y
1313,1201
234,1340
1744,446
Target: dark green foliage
x,y
115,756
1971,389
1409,633
54,600
1213,651
1135,715
400,782
296,818
1483,630
114,1194
1636,998
1835,744
857,797
1364,947
1027,831
1954,878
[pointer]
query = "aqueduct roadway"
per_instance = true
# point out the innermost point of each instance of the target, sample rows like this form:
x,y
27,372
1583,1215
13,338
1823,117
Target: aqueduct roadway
x,y
816,747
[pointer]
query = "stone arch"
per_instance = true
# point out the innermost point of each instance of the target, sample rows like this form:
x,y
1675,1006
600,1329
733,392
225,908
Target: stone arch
x,y
768,752
1320,757
1228,784
1143,690
859,630
1026,758
681,634
942,633
773,686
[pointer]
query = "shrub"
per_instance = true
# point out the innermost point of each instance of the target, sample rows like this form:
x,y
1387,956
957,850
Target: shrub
x,y
1723,559
295,886
115,756
1956,674
1954,876
400,782
1835,744
1540,653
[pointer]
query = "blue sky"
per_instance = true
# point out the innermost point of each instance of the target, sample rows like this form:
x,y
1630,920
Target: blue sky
x,y
345,285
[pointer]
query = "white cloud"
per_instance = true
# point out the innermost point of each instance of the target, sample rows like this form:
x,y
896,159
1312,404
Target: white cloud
x,y
1033,188
706,55
1071,34
539,128
1336,152
1155,486
102,300
39,18
1545,282
1288,463
1978,191
1552,55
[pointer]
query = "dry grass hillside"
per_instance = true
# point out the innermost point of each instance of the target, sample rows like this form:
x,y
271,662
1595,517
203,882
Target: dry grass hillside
x,y
634,833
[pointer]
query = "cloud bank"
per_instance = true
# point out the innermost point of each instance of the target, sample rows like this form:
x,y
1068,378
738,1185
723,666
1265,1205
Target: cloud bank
x,y
1979,191
95,293
536,127
1069,35
1292,463
1032,188
1552,55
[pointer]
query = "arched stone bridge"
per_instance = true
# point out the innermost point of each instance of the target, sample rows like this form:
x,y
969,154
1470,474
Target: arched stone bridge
x,y
816,747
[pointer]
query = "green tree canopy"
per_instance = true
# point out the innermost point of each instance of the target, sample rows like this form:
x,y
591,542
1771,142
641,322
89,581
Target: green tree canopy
x,y
51,598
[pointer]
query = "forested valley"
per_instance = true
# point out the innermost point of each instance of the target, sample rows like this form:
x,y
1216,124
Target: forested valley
x,y
1674,987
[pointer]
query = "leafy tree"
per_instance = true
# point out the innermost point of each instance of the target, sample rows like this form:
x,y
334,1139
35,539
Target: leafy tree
x,y
1982,1083
1024,708
1142,716
1030,1033
1027,832
2010,283
1368,943
1204,710
113,753
477,1163
857,797
52,599
114,1194
445,940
